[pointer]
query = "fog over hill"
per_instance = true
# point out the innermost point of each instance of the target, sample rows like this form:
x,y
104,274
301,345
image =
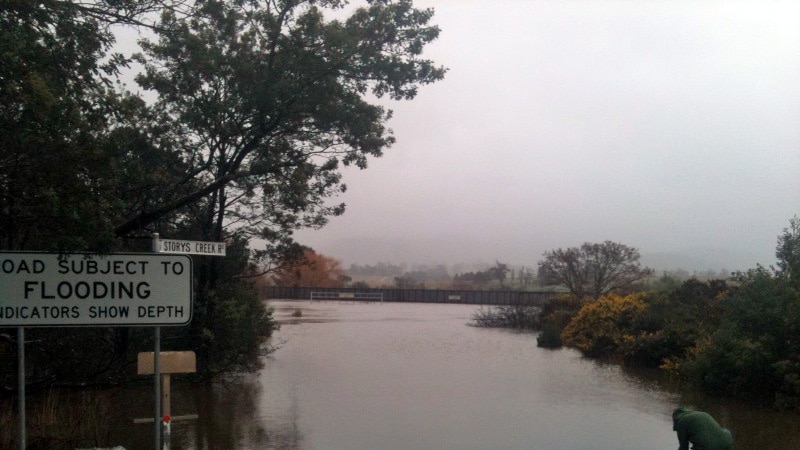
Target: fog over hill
x,y
703,260
477,255
671,127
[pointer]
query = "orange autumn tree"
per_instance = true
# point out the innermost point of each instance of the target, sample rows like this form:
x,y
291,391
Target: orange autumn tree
x,y
312,269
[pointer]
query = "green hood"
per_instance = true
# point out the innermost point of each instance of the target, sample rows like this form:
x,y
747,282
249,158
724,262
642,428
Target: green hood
x,y
678,413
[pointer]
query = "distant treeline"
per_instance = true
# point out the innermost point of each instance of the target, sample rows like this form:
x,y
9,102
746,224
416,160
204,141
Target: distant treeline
x,y
380,269
483,276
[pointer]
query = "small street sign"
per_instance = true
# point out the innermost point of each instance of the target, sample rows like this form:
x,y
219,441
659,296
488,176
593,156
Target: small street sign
x,y
175,246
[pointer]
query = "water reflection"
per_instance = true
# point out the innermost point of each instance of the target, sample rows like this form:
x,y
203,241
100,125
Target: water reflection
x,y
230,417
430,382
414,376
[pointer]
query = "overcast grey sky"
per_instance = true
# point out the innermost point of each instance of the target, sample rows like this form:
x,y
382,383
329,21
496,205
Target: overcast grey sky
x,y
672,126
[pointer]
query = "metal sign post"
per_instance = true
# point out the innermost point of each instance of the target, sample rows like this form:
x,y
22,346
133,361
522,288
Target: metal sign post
x,y
156,374
157,390
21,385
179,247
171,362
83,289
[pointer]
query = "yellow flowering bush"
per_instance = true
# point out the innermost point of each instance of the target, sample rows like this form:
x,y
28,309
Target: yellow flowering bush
x,y
602,326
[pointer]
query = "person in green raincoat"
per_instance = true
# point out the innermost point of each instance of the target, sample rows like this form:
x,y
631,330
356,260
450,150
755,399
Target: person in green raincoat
x,y
700,430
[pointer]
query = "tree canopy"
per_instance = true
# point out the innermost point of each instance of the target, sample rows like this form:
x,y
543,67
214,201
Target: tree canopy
x,y
787,252
312,269
257,106
498,273
266,104
593,270
249,112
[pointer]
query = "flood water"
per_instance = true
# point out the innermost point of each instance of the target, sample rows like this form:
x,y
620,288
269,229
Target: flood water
x,y
416,376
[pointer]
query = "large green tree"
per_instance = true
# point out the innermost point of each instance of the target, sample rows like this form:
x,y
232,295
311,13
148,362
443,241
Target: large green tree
x,y
258,104
52,108
266,101
72,158
787,253
253,108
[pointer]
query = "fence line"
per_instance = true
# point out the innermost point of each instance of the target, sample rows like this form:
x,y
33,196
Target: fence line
x,y
419,295
354,296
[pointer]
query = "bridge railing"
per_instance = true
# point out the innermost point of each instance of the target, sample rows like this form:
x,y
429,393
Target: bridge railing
x,y
417,295
344,296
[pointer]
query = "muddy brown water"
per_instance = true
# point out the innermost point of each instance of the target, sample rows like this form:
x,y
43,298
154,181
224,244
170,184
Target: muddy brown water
x,y
390,376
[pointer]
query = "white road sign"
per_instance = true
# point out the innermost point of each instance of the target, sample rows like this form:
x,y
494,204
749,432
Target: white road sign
x,y
175,246
51,289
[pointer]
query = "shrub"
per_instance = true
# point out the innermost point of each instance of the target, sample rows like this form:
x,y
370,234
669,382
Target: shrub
x,y
550,337
236,340
673,322
788,395
59,422
515,316
754,351
601,326
560,309
555,315
732,364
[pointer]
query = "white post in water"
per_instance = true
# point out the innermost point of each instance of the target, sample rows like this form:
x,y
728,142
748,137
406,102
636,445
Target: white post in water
x,y
167,433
